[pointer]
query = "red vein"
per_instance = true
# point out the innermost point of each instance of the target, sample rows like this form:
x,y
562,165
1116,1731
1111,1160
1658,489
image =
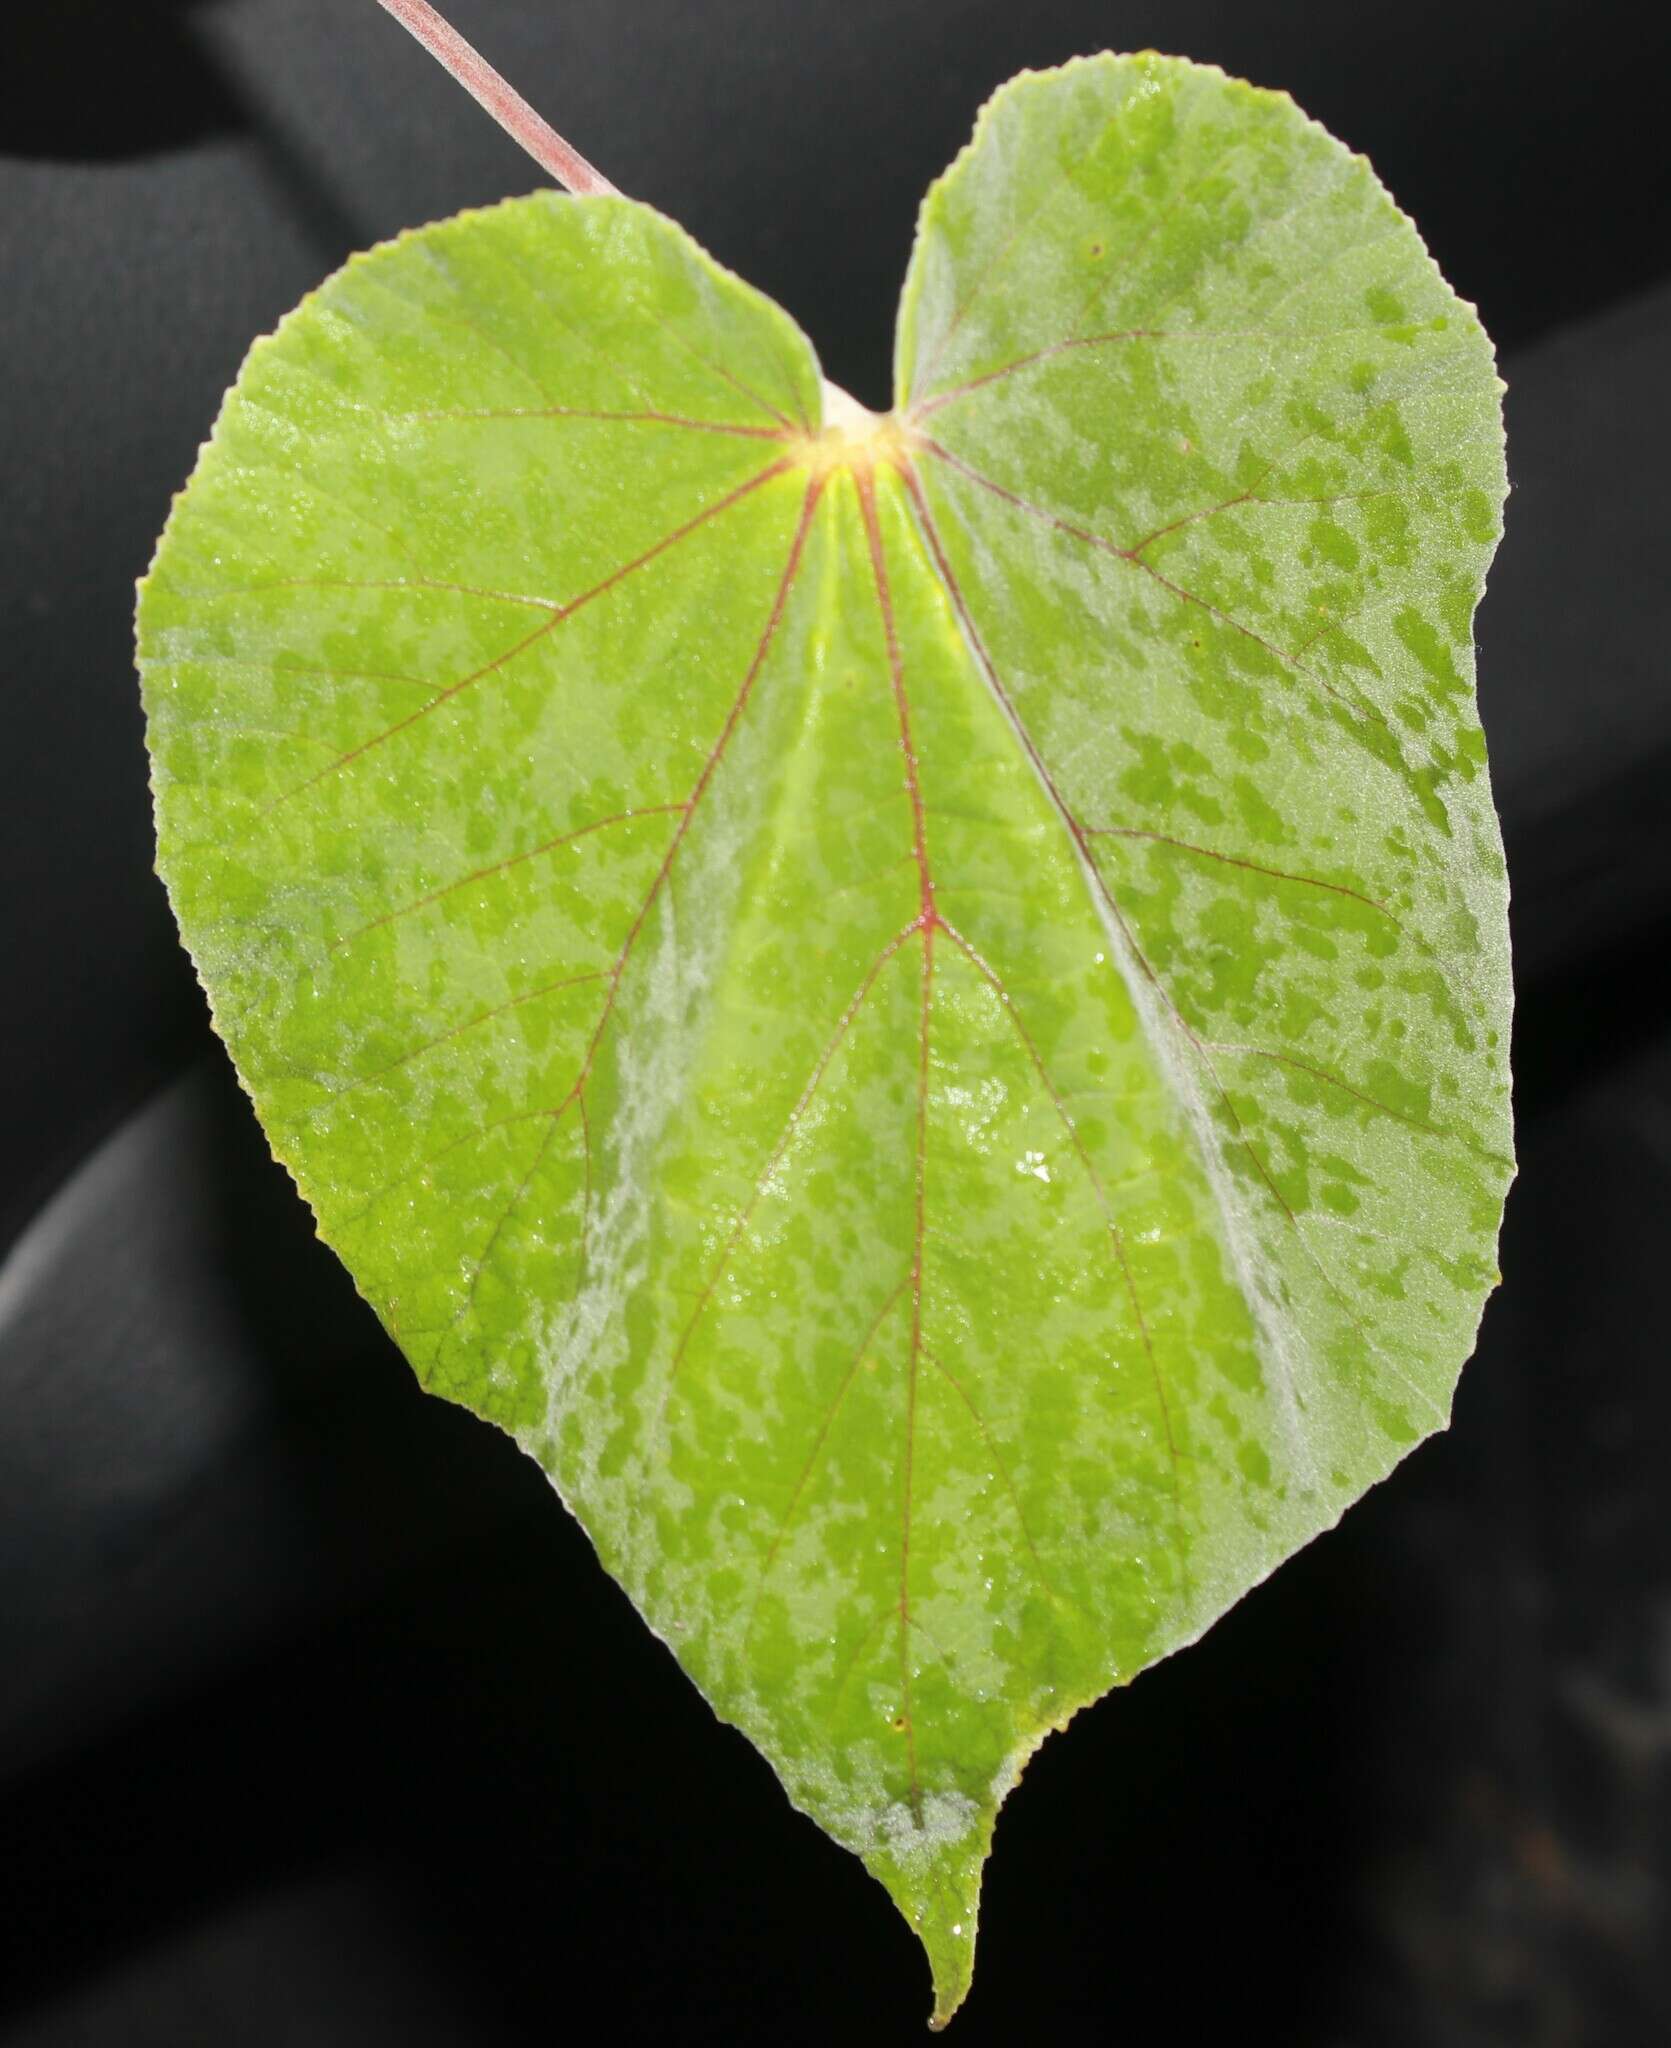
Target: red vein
x,y
293,668
994,263
716,754
1003,1469
422,1166
485,1255
1347,702
1196,334
1097,879
1251,496
1283,1059
237,730
720,370
580,412
856,1654
1055,348
459,316
883,1617
928,921
1116,1235
1354,615
1190,518
786,364
1134,560
551,309
692,804
1024,738
1162,218
559,615
824,1428
1099,882
1312,638
1232,860
1021,504
540,604
896,674
911,1382
549,988
990,268
500,867
786,1137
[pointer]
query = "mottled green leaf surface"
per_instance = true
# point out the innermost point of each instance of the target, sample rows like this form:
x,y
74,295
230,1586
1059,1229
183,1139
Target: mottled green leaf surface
x,y
919,1005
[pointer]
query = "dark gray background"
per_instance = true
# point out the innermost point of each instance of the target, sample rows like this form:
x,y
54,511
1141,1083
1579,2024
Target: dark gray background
x,y
318,1722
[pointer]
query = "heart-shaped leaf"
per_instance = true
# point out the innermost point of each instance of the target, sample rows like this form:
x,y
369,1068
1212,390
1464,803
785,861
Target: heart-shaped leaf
x,y
917,1005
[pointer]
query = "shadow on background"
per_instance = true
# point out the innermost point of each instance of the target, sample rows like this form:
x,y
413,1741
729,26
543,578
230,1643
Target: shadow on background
x,y
309,1673
88,82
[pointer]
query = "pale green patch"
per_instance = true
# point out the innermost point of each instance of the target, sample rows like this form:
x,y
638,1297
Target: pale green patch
x,y
921,1011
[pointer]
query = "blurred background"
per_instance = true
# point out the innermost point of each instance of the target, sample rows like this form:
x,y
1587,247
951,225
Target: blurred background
x,y
319,1723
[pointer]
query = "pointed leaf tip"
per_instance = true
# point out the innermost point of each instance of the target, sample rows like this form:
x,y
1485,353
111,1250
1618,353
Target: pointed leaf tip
x,y
931,1865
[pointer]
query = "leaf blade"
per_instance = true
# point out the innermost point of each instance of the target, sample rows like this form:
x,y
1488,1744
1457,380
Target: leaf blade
x,y
807,973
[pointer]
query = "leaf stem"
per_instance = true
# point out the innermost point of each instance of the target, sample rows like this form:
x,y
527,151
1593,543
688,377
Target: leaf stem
x,y
502,100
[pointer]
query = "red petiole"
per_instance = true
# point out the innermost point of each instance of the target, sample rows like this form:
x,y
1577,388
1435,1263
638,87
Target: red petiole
x,y
502,100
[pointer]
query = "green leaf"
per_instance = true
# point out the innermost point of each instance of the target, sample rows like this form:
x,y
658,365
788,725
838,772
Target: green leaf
x,y
918,1006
